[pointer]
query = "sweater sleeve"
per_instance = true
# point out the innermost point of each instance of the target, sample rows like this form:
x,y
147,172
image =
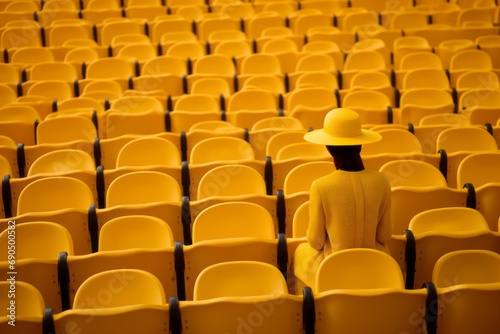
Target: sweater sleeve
x,y
316,231
384,229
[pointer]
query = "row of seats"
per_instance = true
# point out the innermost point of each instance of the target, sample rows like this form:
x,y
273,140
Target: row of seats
x,y
233,281
257,148
344,17
126,195
251,109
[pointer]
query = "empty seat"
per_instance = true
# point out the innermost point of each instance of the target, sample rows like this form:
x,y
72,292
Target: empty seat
x,y
459,142
479,169
141,288
237,278
54,193
449,220
37,240
413,173
148,151
135,231
142,187
233,220
62,161
417,103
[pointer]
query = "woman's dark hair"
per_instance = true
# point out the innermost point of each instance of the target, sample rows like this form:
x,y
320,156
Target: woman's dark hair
x,y
347,158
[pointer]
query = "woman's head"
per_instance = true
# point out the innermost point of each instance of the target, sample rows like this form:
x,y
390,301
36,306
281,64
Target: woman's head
x,y
346,158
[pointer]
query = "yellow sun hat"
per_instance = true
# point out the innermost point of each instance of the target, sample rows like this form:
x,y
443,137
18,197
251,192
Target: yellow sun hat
x,y
342,127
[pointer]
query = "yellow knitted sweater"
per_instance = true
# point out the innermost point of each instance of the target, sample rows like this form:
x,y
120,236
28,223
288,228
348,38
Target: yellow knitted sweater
x,y
346,210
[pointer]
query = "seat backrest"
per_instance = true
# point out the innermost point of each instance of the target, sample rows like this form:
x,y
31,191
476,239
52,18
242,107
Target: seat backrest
x,y
300,221
36,240
426,78
472,266
214,64
231,180
449,220
393,141
358,268
53,193
479,169
458,139
148,151
470,59
278,122
252,99
233,220
131,287
280,139
143,187
413,173
260,64
298,150
61,161
63,129
137,104
135,231
197,103
221,149
301,177
238,278
29,301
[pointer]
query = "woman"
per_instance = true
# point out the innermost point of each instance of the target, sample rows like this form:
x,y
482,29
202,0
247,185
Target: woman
x,y
349,208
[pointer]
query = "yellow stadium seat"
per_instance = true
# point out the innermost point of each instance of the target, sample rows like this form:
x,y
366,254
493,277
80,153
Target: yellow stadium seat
x,y
148,151
449,220
62,161
459,142
191,109
478,169
238,278
413,173
233,220
374,107
246,107
417,103
59,187
359,268
135,232
141,288
38,240
469,59
141,187
65,129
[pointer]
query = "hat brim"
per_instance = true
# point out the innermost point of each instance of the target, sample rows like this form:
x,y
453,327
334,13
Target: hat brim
x,y
323,138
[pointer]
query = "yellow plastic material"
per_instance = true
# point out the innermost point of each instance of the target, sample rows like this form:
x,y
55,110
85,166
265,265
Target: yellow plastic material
x,y
54,193
62,161
231,180
62,129
233,220
449,220
359,268
300,221
279,140
471,266
143,187
29,301
5,167
119,287
393,141
300,150
413,173
301,177
221,149
148,151
278,122
135,231
239,278
36,240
